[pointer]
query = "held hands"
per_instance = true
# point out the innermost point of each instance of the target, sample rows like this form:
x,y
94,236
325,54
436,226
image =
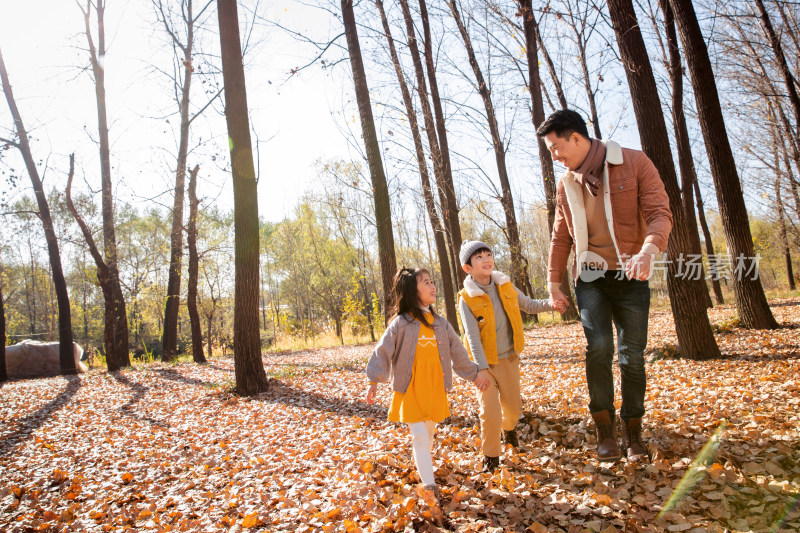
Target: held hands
x,y
371,392
482,380
558,301
639,266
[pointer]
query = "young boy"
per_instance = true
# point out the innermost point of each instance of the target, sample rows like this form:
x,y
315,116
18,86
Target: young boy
x,y
489,308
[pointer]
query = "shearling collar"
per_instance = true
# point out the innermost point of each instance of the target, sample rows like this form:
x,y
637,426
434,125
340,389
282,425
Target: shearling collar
x,y
613,155
474,290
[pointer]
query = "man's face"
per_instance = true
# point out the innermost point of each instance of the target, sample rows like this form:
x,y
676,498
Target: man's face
x,y
568,152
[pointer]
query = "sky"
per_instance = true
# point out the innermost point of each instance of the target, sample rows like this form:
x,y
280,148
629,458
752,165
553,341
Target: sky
x,y
296,120
293,118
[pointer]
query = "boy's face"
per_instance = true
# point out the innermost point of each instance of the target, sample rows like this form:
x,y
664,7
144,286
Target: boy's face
x,y
482,264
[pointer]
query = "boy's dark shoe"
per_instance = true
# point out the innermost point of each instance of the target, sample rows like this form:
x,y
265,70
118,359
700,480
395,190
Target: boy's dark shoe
x,y
607,445
510,437
490,464
632,440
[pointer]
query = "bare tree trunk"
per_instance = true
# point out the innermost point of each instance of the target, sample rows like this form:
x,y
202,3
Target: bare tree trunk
x,y
116,304
449,205
249,369
441,161
685,159
537,115
782,223
713,263
170,333
430,206
551,67
789,25
751,303
3,372
209,325
783,67
383,211
580,41
66,353
103,278
792,181
194,260
695,338
519,265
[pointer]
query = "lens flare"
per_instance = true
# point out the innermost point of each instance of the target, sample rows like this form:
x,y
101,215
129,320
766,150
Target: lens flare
x,y
790,507
696,470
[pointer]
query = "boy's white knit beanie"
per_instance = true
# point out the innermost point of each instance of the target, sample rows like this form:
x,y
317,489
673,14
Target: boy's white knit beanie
x,y
470,247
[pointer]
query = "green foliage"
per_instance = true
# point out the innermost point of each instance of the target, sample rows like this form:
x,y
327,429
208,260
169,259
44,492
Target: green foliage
x,y
355,310
377,315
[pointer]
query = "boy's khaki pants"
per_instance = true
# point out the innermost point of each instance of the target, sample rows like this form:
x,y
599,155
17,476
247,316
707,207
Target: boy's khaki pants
x,y
501,403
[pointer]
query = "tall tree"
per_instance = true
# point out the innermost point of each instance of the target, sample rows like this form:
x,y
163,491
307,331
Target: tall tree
x,y
65,351
3,372
784,243
695,338
383,211
194,260
110,330
780,58
551,67
751,303
713,261
430,205
583,28
530,28
519,265
249,369
685,159
97,57
183,46
449,205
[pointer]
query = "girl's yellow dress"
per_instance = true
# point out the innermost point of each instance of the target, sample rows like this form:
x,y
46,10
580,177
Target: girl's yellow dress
x,y
425,398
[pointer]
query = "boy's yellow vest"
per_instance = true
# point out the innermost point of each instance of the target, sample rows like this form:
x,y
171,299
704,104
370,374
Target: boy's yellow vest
x,y
481,307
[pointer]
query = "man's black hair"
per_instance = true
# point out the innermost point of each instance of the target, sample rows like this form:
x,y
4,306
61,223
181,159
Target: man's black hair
x,y
564,123
479,250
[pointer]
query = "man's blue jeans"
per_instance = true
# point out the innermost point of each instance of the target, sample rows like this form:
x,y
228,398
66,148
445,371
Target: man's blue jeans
x,y
611,298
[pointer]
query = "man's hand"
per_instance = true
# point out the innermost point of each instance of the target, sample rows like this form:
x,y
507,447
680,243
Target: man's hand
x,y
482,380
639,267
371,392
559,301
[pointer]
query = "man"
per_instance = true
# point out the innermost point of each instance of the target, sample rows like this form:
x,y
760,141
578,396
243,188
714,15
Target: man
x,y
613,211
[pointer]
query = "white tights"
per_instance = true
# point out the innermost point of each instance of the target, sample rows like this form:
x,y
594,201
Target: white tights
x,y
422,439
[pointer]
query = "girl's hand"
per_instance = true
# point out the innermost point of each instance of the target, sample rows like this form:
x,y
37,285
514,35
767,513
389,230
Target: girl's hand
x,y
482,381
371,392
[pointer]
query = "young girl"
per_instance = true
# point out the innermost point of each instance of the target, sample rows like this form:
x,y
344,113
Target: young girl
x,y
419,352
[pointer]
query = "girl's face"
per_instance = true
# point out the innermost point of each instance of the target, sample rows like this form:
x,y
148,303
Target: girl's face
x,y
426,290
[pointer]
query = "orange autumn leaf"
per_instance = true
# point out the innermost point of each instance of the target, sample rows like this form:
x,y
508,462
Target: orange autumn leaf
x,y
250,520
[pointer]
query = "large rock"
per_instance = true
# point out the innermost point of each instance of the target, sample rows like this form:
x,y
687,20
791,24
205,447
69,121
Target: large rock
x,y
34,359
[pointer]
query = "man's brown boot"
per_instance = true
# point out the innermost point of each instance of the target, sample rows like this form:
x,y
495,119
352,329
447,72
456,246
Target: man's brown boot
x,y
607,445
632,439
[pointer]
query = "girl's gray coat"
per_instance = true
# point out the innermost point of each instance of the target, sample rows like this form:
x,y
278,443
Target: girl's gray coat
x,y
393,357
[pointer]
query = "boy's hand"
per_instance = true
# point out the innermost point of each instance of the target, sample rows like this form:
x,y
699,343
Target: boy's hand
x,y
558,301
482,380
559,306
371,392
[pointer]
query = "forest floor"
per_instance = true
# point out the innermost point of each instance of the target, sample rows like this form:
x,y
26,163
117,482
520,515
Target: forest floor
x,y
169,447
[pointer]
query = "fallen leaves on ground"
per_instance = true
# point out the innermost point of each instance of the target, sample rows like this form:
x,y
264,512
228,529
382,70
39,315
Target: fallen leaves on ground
x,y
169,448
